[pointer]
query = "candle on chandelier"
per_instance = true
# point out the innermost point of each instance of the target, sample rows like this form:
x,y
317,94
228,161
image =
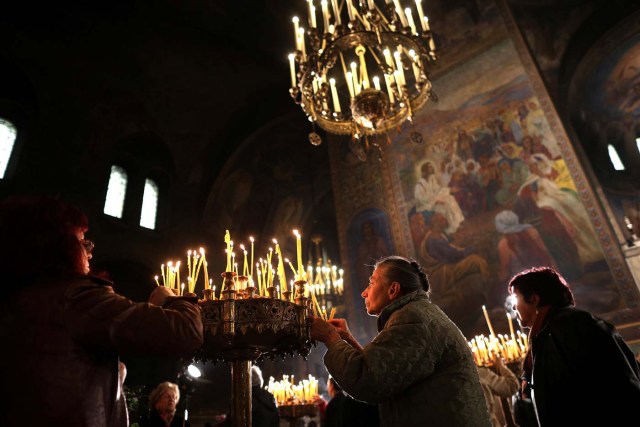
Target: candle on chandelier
x,y
412,24
350,10
421,14
399,74
336,11
334,95
292,69
349,80
403,19
325,14
302,45
312,14
295,21
376,82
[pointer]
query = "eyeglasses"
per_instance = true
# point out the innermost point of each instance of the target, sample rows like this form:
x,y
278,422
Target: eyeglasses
x,y
88,245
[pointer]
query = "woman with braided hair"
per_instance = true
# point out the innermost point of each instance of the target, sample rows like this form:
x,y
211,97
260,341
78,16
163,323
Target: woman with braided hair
x,y
419,368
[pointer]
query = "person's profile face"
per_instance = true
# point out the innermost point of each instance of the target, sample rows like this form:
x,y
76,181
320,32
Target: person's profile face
x,y
526,310
85,255
376,295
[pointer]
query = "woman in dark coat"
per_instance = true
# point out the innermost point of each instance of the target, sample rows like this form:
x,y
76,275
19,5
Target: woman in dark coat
x,y
579,370
63,331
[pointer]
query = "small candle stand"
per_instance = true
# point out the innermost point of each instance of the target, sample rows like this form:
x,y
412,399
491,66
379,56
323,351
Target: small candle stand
x,y
241,327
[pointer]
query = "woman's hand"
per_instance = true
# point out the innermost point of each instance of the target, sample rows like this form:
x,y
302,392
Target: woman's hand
x,y
159,295
344,332
324,331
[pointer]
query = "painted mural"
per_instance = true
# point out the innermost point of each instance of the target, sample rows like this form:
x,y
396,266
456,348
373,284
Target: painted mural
x,y
488,193
368,239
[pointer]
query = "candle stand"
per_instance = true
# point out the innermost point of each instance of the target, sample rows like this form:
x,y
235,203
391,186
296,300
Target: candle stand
x,y
240,327
292,413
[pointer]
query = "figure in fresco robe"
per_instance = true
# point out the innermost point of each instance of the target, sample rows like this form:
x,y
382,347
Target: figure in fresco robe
x,y
371,248
546,194
513,172
520,246
432,197
447,263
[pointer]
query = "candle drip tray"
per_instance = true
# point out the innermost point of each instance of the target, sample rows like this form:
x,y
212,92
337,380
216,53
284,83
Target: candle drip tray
x,y
253,328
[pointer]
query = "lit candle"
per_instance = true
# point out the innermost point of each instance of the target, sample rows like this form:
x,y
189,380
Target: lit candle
x,y
399,69
302,44
227,240
414,65
334,95
403,19
312,14
178,272
325,14
182,290
291,266
486,316
412,24
420,13
354,74
376,82
207,281
511,327
292,69
336,11
349,80
299,254
426,24
350,10
164,276
157,283
295,21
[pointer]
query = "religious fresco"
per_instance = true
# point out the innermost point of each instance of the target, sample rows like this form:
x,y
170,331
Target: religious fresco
x,y
488,193
368,240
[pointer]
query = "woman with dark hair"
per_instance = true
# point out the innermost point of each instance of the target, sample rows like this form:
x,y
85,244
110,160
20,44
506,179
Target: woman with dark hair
x,y
578,370
63,330
419,368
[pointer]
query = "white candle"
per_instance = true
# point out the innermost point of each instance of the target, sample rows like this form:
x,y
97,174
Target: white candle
x,y
388,80
420,14
350,10
334,94
302,44
414,65
292,68
399,70
412,24
376,82
325,14
354,74
403,19
349,80
336,11
387,57
425,20
312,14
295,21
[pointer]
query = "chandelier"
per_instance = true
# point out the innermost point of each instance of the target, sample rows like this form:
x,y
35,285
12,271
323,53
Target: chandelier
x,y
361,68
325,279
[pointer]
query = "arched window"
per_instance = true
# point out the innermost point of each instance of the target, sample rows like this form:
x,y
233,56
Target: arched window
x,y
7,138
117,189
615,159
149,204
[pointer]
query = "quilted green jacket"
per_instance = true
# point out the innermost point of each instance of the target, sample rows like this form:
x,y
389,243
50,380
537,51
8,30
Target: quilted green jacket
x,y
419,368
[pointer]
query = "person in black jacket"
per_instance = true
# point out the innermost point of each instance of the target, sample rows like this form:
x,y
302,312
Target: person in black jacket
x,y
578,368
344,411
264,412
163,402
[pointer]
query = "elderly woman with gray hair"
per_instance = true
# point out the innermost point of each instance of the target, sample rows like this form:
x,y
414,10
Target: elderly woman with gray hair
x,y
419,368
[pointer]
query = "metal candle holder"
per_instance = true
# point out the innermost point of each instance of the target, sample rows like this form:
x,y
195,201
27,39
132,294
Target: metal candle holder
x,y
240,328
